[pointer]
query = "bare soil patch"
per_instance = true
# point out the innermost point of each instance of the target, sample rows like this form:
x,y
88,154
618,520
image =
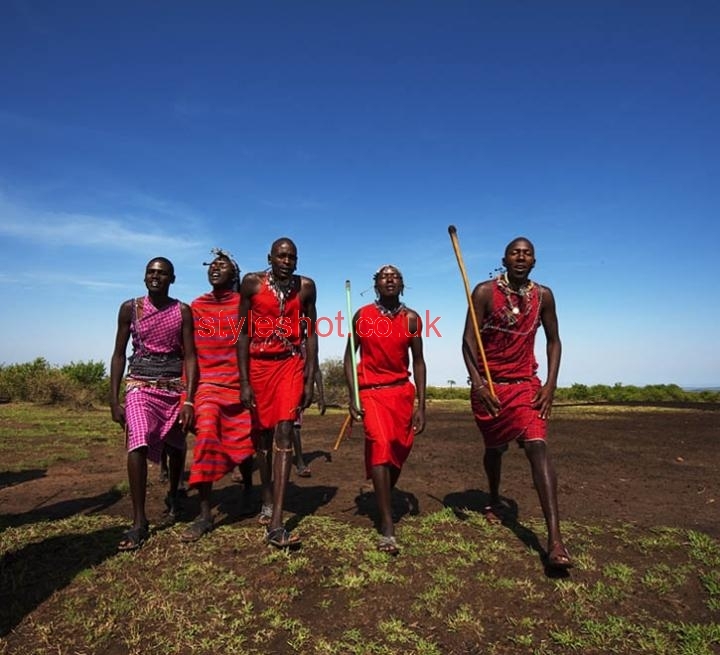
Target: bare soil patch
x,y
640,466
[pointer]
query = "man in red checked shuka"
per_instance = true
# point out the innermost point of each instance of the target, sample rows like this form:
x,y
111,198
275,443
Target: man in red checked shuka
x,y
386,332
509,310
277,308
222,422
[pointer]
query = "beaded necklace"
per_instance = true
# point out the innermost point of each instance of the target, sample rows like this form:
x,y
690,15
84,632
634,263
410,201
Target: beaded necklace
x,y
511,310
282,291
386,311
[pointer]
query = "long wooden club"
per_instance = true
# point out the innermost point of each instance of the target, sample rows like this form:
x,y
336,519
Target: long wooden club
x,y
452,230
353,357
343,429
353,360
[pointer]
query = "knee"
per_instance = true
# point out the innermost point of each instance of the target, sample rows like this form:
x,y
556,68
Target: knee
x,y
536,452
283,434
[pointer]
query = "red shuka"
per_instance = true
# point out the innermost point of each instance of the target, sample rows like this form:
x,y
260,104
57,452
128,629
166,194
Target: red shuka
x,y
386,394
222,424
509,342
276,366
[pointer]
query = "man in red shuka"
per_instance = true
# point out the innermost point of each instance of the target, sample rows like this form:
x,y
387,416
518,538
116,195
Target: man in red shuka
x,y
509,310
386,332
222,422
277,308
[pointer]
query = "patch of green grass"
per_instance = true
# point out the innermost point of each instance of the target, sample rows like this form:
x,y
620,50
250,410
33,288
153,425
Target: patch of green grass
x,y
662,578
619,572
57,433
454,585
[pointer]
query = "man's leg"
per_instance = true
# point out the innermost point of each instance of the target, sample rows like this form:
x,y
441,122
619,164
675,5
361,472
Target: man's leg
x,y
203,523
264,463
302,469
176,470
137,477
245,469
204,494
282,461
545,481
492,462
381,479
163,466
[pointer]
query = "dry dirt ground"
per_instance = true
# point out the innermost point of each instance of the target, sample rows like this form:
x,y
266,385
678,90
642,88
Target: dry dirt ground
x,y
646,467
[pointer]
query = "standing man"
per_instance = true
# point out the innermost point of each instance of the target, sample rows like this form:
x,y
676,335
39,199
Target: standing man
x,y
509,311
153,416
386,332
276,309
222,422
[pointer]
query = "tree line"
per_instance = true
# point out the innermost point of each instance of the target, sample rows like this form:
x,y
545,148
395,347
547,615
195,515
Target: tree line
x,y
86,384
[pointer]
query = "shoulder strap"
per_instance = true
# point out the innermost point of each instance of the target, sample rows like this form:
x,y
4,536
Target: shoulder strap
x,y
137,305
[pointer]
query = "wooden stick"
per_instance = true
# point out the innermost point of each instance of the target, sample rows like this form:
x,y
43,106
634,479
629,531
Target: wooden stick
x,y
471,307
353,357
343,429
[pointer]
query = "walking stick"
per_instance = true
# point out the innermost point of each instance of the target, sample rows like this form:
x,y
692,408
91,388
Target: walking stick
x,y
343,429
471,307
353,360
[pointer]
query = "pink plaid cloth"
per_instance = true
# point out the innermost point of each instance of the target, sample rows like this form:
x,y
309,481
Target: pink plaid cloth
x,y
151,409
157,331
151,416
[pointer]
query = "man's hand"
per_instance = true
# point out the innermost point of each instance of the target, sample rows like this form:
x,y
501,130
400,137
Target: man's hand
x,y
418,421
187,415
482,393
543,401
356,413
247,396
118,414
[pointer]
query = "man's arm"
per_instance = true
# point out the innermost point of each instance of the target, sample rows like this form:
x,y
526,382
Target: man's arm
x,y
308,299
553,348
118,360
187,412
248,289
319,386
481,300
419,371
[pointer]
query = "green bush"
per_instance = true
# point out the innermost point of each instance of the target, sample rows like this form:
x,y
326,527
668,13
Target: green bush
x,y
86,383
79,384
86,373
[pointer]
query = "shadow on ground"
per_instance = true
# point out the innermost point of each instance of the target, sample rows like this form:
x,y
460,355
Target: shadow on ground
x,y
32,574
62,509
475,500
11,478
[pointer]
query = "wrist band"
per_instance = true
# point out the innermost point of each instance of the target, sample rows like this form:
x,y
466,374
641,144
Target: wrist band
x,y
189,404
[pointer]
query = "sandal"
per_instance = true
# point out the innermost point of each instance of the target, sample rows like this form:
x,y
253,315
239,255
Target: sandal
x,y
173,510
197,529
265,515
304,472
134,538
558,556
281,538
494,513
388,545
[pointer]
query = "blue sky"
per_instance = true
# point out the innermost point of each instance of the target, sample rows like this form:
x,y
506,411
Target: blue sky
x,y
362,130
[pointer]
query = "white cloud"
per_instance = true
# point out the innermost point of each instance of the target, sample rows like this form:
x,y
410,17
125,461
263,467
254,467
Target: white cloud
x,y
71,229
